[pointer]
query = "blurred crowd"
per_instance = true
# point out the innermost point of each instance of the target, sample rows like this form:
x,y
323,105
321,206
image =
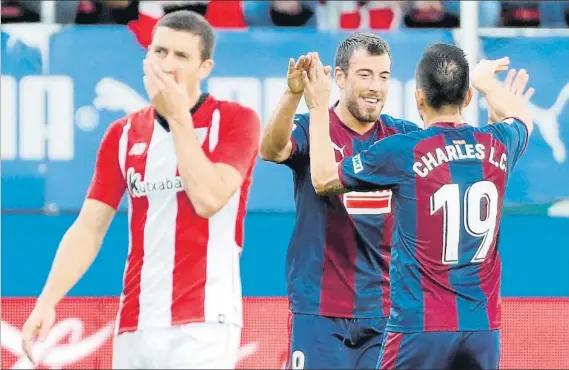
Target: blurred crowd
x,y
320,14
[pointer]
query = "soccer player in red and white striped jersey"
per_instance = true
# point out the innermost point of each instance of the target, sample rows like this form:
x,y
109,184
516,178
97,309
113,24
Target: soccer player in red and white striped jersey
x,y
186,162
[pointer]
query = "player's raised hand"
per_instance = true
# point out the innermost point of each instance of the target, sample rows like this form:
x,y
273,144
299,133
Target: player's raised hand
x,y
484,74
168,93
294,74
317,84
516,83
37,326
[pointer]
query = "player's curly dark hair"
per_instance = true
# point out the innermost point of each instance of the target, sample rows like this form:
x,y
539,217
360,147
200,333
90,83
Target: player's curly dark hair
x,y
374,45
443,74
194,23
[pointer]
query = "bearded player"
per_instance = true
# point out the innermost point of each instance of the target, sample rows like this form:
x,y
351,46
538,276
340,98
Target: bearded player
x,y
338,256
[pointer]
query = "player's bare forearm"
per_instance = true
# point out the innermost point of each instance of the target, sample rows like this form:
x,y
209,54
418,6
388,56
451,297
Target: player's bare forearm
x,y
77,251
204,181
323,166
506,104
275,140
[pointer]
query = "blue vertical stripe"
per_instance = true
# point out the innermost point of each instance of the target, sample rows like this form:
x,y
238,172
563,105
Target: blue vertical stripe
x,y
404,270
464,275
369,231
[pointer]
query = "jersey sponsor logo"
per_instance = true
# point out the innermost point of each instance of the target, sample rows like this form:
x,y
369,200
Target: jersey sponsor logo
x,y
357,163
372,203
137,187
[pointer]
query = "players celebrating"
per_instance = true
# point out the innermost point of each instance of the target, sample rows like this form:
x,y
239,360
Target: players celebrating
x,y
186,163
448,183
337,261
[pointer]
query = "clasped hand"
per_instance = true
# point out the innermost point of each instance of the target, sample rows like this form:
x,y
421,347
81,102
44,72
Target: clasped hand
x,y
317,83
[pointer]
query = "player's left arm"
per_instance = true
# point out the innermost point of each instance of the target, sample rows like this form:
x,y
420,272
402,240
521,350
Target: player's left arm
x,y
210,182
379,167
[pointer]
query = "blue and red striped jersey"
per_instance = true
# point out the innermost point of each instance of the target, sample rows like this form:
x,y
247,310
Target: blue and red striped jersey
x,y
337,260
448,185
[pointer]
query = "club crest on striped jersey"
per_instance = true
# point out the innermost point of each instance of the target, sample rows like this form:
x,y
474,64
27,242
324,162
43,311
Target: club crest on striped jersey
x,y
369,203
137,187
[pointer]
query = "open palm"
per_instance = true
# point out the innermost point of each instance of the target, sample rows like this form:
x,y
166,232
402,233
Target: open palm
x,y
294,75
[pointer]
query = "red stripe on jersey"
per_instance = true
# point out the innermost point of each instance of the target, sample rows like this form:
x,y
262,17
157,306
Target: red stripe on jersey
x,y
490,269
439,301
388,359
189,276
367,203
242,210
108,184
339,265
385,251
338,284
139,205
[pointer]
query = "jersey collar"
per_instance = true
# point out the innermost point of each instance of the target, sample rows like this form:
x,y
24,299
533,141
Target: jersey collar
x,y
448,124
162,121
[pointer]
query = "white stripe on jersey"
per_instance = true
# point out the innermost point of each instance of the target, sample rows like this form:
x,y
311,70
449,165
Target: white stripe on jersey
x,y
123,143
223,279
156,282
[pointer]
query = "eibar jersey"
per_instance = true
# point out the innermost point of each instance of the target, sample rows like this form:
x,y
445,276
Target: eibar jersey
x,y
448,184
338,257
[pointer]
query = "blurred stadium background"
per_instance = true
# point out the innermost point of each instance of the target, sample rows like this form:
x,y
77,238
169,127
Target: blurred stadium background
x,y
69,68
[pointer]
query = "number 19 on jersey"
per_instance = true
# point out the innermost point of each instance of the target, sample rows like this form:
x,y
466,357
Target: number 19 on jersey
x,y
480,196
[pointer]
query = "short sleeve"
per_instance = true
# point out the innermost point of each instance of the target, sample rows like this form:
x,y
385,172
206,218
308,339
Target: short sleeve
x,y
299,140
108,184
380,166
514,134
238,142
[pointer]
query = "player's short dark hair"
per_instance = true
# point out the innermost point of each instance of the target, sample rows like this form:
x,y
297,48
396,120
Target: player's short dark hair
x,y
194,23
373,44
443,74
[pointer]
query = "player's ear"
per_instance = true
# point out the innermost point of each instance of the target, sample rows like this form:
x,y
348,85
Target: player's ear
x,y
420,99
469,95
205,68
339,77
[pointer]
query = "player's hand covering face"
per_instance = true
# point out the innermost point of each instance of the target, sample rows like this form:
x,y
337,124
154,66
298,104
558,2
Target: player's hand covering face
x,y
178,55
515,83
167,93
317,84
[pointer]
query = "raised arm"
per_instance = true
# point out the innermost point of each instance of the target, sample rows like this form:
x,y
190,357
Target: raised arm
x,y
210,181
506,99
276,145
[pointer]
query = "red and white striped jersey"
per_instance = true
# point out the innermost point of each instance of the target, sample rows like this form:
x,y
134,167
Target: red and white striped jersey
x,y
181,267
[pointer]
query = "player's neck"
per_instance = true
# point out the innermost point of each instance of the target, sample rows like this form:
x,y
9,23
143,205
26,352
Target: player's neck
x,y
429,118
193,97
352,122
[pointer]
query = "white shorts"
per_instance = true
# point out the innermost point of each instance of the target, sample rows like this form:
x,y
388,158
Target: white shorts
x,y
189,346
